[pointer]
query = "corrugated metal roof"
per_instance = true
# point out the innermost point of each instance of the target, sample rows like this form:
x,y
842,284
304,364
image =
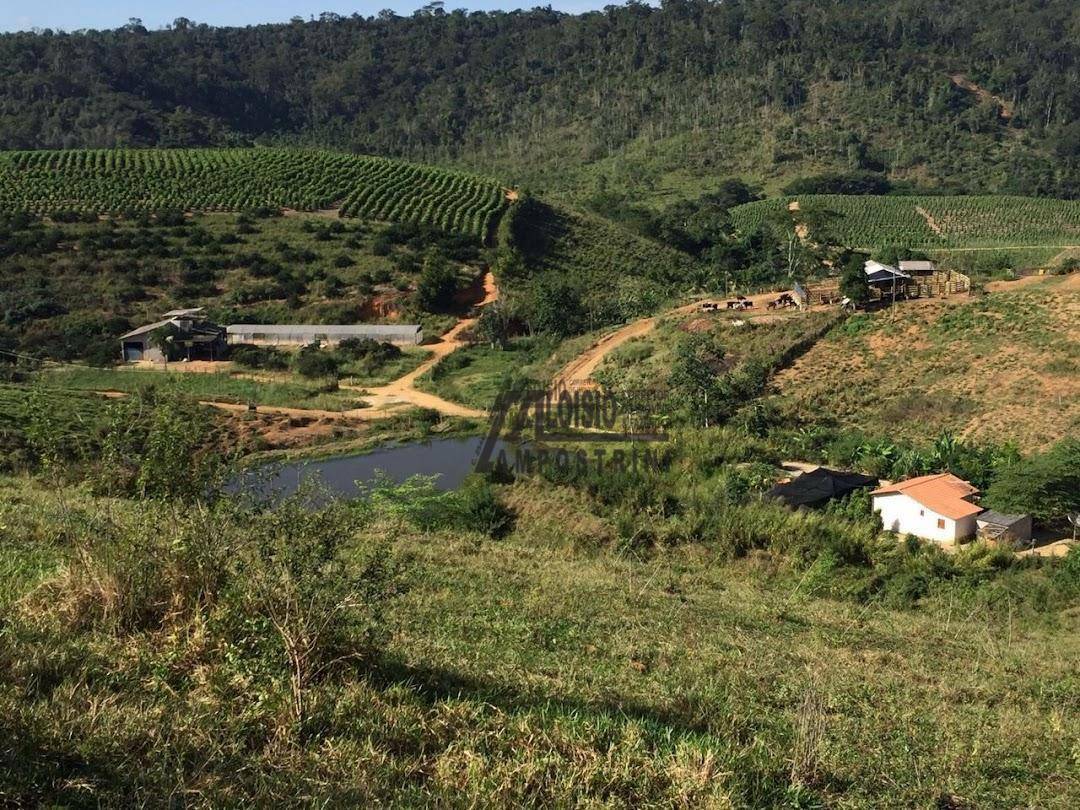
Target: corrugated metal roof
x,y
359,329
1000,518
876,271
917,265
150,327
176,313
819,485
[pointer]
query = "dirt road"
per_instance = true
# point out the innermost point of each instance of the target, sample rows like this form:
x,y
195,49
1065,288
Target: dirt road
x,y
383,400
403,390
575,374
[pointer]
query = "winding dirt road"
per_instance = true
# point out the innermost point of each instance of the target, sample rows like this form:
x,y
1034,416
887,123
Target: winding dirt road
x,y
576,374
403,390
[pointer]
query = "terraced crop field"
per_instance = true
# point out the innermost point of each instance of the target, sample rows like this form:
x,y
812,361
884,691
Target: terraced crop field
x,y
118,181
924,222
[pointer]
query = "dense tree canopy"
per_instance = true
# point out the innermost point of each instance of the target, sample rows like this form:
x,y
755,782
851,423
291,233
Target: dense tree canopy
x,y
720,88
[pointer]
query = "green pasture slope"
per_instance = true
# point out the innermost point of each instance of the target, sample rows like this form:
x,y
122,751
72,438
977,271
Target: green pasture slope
x,y
925,222
116,181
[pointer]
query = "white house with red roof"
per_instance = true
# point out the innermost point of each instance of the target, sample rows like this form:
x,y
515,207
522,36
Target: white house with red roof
x,y
935,507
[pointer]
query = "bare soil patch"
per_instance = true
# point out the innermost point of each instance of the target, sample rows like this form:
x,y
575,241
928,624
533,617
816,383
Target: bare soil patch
x,y
930,222
1004,107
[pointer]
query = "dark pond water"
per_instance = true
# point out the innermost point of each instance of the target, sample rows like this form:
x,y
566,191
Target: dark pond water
x,y
449,459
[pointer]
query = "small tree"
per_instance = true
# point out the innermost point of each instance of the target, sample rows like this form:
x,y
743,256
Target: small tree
x,y
313,363
697,378
494,323
164,340
1044,485
438,282
853,279
326,606
555,307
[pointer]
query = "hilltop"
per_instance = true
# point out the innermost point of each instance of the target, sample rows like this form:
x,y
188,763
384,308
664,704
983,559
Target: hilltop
x,y
660,101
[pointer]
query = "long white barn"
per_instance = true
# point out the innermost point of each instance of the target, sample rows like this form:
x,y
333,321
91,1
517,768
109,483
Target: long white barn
x,y
264,334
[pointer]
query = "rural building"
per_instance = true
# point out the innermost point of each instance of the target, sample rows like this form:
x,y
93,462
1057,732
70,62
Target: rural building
x,y
886,281
818,486
934,507
917,267
1010,530
263,334
190,334
914,278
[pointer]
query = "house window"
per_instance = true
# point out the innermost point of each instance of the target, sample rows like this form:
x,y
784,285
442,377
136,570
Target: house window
x,y
941,523
921,513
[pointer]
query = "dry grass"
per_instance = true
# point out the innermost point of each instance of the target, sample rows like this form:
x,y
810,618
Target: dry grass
x,y
999,368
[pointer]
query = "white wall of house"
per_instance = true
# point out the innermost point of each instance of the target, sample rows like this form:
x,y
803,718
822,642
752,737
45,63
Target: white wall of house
x,y
905,515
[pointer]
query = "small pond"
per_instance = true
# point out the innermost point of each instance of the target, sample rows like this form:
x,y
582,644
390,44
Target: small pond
x,y
449,459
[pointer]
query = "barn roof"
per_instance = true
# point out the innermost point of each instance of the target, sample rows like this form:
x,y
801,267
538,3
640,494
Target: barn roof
x,y
142,330
818,486
874,268
943,493
876,271
177,313
192,329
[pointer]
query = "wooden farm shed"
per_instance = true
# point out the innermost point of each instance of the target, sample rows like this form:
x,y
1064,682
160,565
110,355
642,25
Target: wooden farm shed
x,y
1006,529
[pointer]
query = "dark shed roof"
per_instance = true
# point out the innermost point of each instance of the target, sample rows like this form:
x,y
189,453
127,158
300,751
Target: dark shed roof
x,y
999,518
818,486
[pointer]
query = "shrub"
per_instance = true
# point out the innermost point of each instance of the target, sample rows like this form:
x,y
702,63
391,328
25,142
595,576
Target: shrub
x,y
374,351
266,358
312,362
157,445
325,608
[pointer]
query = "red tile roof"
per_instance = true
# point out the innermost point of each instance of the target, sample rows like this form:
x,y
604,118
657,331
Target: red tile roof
x,y
943,493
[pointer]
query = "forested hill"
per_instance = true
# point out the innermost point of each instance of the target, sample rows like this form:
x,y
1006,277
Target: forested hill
x,y
974,95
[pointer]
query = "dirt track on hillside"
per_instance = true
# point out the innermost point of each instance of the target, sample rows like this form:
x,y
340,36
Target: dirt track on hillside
x,y
575,374
403,390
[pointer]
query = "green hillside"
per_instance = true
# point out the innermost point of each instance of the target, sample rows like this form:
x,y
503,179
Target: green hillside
x,y
973,96
613,273
867,221
103,181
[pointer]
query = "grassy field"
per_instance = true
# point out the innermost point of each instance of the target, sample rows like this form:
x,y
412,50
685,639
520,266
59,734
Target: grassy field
x,y
218,387
474,375
998,367
542,668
